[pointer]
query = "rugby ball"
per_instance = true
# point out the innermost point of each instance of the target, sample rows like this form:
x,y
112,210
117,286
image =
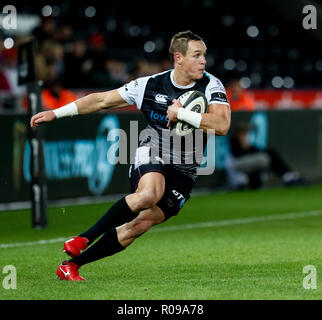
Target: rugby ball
x,y
193,101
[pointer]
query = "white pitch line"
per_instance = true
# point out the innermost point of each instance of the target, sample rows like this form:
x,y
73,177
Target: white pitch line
x,y
210,224
31,243
230,222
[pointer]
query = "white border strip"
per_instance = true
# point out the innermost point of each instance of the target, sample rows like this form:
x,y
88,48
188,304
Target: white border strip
x,y
210,224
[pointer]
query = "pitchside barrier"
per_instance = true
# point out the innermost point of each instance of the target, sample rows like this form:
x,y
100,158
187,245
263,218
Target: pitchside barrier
x,y
75,151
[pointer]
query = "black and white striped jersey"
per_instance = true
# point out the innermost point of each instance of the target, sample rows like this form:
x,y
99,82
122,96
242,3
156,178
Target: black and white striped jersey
x,y
153,95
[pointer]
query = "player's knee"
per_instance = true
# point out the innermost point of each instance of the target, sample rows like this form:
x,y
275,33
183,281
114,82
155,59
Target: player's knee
x,y
148,198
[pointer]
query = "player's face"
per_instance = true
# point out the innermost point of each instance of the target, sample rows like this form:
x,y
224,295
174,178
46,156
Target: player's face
x,y
194,62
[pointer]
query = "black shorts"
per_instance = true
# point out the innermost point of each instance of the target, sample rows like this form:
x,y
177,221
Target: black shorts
x,y
178,186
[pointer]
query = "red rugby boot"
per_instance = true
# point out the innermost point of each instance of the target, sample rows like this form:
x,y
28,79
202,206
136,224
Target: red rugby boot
x,y
75,246
69,271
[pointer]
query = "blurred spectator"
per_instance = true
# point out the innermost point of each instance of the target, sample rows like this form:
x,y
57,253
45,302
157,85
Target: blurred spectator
x,y
64,34
239,98
49,61
248,164
55,95
11,94
10,72
144,67
4,83
113,74
46,30
78,65
97,50
56,57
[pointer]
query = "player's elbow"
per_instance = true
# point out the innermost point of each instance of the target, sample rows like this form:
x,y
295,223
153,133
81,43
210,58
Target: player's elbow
x,y
222,131
224,126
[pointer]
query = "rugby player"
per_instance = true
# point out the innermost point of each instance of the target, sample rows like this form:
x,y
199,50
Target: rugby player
x,y
159,189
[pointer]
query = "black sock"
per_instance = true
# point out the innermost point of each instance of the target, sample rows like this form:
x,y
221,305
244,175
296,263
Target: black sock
x,y
117,215
107,245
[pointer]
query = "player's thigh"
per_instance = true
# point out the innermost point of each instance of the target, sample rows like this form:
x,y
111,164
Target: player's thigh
x,y
143,171
152,182
150,189
147,178
176,194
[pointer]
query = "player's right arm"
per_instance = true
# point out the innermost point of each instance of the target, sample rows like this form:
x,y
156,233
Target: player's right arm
x,y
89,104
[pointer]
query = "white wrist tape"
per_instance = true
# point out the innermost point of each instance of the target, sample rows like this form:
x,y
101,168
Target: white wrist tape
x,y
191,117
68,110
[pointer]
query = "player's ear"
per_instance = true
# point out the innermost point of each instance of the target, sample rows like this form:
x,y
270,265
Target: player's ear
x,y
178,57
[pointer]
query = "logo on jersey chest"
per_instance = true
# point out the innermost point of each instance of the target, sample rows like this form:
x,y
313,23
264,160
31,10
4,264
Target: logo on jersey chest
x,y
157,116
161,98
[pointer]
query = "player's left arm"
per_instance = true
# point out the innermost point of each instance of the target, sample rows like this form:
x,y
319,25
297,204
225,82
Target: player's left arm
x,y
217,119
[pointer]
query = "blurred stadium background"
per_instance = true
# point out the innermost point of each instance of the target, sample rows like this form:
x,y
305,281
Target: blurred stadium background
x,y
270,65
267,61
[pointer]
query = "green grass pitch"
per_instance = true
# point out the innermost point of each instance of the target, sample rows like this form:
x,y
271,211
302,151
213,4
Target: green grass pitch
x,y
237,245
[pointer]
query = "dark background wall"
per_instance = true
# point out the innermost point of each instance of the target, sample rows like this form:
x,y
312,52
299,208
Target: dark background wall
x,y
75,151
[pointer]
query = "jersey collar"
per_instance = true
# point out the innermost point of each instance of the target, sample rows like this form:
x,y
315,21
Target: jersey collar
x,y
177,85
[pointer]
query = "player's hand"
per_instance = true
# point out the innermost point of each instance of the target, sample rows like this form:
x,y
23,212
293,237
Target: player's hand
x,y
45,116
172,112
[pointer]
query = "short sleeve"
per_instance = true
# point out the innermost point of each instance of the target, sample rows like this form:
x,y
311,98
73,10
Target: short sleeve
x,y
133,91
215,91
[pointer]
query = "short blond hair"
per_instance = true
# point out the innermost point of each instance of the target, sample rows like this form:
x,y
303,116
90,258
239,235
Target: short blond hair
x,y
180,42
